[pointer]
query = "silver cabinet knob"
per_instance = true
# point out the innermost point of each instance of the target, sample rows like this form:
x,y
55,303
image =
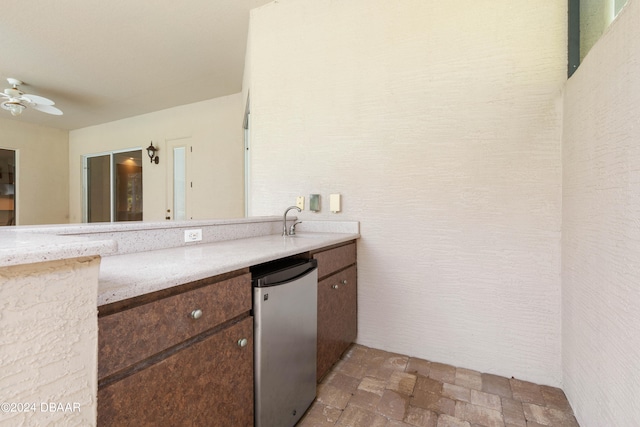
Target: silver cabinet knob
x,y
196,314
242,342
343,281
334,286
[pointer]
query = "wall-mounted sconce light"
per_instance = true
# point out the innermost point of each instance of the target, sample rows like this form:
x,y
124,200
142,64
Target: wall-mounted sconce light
x,y
151,151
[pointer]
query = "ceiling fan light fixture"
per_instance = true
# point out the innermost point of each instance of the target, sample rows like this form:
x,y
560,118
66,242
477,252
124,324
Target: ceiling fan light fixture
x,y
15,101
14,107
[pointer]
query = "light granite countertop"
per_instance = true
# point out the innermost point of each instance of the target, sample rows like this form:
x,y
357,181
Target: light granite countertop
x,y
130,275
20,247
147,257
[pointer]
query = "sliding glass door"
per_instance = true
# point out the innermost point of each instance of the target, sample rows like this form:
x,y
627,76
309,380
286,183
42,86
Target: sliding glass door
x,y
113,186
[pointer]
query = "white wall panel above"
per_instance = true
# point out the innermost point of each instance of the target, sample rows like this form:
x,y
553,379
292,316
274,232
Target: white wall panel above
x,y
441,129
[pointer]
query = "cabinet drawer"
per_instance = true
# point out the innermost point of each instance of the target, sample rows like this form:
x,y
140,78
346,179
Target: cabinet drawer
x,y
132,335
335,259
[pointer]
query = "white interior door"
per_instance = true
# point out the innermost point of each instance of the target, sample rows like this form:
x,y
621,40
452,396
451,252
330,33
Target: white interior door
x,y
178,180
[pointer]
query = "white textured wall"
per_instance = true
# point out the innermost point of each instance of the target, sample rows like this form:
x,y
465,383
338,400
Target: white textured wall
x,y
601,230
216,166
43,183
441,128
48,344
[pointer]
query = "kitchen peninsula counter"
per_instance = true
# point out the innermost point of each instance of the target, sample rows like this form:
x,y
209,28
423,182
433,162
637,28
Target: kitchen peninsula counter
x,y
53,278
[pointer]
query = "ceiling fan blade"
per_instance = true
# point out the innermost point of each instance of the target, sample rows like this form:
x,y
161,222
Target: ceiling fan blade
x,y
47,109
35,99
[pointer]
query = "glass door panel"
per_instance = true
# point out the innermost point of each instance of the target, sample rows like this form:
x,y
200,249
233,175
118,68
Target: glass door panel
x,y
99,188
128,185
7,187
179,183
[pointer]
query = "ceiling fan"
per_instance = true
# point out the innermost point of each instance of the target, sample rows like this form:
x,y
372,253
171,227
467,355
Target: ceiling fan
x,y
15,101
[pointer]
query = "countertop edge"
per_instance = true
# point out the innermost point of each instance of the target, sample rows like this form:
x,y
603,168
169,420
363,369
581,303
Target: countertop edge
x,y
21,248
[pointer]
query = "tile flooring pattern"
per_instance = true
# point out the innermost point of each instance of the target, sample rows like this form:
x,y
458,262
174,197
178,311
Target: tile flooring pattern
x,y
374,388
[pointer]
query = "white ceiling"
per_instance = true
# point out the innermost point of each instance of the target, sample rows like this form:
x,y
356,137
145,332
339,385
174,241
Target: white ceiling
x,y
106,60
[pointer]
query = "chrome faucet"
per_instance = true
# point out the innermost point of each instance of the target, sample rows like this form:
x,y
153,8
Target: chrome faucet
x,y
285,232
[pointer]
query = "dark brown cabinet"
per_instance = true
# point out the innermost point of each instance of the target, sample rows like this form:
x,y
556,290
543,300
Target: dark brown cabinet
x,y
337,304
184,355
183,358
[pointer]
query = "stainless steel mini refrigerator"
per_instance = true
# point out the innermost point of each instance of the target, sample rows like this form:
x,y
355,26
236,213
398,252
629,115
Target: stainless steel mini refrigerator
x,y
285,338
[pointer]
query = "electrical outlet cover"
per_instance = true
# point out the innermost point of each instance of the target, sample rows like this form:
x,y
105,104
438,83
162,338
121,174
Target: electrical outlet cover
x,y
300,202
194,235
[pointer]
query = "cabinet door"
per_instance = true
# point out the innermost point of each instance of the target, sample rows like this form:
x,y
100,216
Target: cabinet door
x,y
337,317
209,383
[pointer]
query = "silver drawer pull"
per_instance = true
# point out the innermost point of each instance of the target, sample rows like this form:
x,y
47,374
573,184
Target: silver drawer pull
x,y
344,281
242,342
196,314
334,286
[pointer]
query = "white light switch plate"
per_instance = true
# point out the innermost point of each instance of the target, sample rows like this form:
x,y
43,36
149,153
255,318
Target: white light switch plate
x,y
334,203
300,202
193,235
